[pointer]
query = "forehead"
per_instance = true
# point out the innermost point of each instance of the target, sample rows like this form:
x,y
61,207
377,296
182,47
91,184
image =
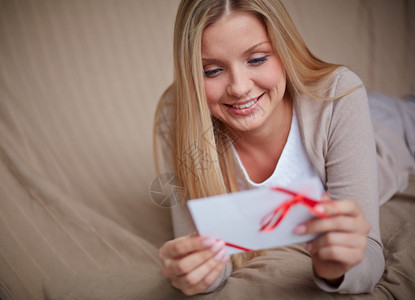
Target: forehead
x,y
235,30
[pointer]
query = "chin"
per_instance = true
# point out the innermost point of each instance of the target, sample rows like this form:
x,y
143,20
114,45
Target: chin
x,y
245,125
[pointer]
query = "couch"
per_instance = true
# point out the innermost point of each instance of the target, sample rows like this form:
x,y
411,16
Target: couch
x,y
80,210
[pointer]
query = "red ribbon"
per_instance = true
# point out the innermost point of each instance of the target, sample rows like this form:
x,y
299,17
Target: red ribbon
x,y
271,220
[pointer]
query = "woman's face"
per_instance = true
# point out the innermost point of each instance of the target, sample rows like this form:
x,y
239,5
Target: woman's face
x,y
244,78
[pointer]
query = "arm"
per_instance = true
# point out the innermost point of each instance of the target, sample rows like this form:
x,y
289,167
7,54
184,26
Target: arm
x,y
351,173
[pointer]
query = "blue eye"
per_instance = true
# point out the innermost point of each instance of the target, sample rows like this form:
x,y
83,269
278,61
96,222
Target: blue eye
x,y
211,73
258,61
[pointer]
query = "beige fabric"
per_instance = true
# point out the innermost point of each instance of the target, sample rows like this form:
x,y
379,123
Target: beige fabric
x,y
395,163
76,105
79,82
53,246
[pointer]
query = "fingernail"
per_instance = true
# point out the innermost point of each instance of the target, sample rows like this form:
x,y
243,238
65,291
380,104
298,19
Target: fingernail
x,y
208,242
220,255
319,208
218,245
225,258
300,229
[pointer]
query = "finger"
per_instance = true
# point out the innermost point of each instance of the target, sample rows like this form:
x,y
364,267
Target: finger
x,y
346,256
188,263
203,276
337,239
193,278
325,197
209,279
182,246
340,223
340,207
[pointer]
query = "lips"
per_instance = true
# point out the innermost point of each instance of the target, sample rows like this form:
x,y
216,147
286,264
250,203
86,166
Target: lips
x,y
249,104
246,107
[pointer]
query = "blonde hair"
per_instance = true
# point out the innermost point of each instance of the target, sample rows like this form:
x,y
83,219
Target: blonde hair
x,y
200,142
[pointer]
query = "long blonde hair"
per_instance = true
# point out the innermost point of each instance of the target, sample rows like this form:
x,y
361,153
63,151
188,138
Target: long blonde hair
x,y
200,142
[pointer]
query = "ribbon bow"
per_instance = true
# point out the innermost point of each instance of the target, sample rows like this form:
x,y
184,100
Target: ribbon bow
x,y
271,220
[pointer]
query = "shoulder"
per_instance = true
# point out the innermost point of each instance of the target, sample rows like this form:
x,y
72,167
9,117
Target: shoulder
x,y
344,92
340,82
343,75
348,106
341,87
349,115
349,93
322,121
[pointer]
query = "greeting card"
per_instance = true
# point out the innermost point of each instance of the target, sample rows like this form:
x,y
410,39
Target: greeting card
x,y
256,219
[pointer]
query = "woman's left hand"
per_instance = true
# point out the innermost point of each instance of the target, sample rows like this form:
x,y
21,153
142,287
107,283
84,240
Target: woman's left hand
x,y
342,242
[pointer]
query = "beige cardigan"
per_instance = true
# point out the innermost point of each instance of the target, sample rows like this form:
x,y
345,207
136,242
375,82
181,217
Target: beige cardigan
x,y
339,141
338,138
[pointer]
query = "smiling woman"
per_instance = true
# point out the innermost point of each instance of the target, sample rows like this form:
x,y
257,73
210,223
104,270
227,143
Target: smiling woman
x,y
242,72
253,107
82,213
247,89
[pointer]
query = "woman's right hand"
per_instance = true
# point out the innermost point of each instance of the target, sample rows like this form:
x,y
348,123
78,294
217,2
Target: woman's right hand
x,y
192,262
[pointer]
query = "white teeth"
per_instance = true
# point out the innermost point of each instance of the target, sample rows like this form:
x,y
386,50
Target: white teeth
x,y
249,104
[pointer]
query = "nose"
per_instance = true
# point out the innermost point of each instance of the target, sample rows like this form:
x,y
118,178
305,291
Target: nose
x,y
240,84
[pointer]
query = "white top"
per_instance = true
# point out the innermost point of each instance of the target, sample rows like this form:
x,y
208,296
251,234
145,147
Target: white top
x,y
293,165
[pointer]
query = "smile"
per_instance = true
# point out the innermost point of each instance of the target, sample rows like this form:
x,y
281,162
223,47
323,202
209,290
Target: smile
x,y
246,105
249,104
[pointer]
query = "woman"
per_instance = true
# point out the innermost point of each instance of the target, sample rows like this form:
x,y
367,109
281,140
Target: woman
x,y
250,106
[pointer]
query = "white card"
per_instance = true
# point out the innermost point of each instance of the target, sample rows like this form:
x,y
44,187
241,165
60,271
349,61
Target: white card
x,y
235,218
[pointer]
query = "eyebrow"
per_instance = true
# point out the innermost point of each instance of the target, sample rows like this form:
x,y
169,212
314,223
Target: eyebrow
x,y
250,49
